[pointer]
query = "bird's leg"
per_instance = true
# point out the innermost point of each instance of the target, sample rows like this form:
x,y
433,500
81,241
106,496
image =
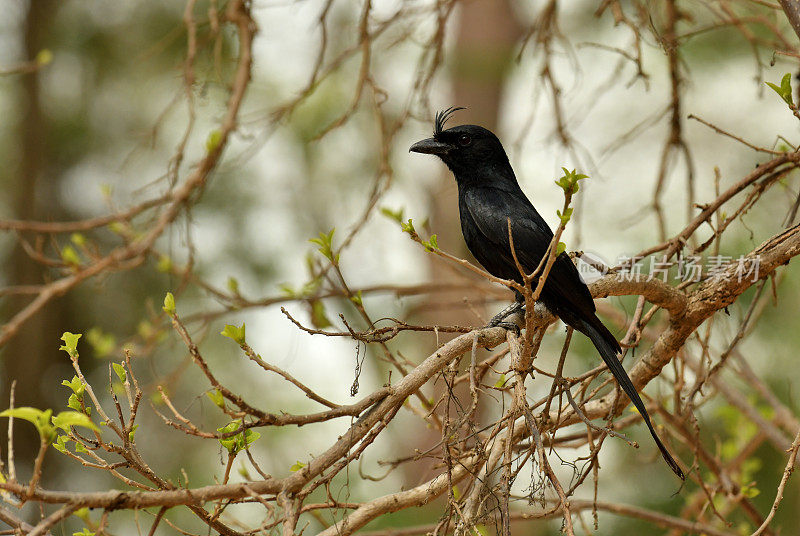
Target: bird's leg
x,y
505,313
499,319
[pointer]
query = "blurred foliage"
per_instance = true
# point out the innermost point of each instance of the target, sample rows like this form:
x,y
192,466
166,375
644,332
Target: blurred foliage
x,y
113,115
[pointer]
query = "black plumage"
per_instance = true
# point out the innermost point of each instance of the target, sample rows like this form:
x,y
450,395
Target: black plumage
x,y
488,196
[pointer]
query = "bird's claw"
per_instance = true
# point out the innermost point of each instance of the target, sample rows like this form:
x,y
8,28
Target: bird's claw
x,y
505,313
510,326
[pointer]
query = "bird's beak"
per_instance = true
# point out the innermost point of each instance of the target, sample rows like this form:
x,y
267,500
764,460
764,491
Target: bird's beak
x,y
430,146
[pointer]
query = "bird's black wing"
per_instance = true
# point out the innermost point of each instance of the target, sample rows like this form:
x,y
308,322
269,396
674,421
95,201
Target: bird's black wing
x,y
564,293
490,208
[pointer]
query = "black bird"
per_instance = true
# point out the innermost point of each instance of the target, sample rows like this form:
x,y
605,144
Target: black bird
x,y
489,195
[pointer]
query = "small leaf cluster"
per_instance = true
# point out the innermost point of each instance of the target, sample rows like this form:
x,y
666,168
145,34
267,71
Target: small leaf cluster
x,y
432,244
239,442
70,343
784,91
169,304
324,242
569,181
75,400
235,333
70,257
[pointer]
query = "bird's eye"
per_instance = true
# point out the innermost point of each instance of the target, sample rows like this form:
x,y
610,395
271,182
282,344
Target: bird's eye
x,y
464,140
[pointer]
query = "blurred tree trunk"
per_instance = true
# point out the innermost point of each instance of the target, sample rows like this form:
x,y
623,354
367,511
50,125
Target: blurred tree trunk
x,y
28,355
487,34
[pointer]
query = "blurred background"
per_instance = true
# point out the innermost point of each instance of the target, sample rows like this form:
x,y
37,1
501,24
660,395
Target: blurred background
x,y
93,107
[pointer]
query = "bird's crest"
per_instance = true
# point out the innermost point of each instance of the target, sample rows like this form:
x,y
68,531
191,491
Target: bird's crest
x,y
441,118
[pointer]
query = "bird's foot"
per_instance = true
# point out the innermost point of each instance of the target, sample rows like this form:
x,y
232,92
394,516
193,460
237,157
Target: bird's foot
x,y
510,326
512,309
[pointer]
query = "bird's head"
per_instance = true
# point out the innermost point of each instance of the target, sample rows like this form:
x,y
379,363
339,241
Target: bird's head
x,y
468,150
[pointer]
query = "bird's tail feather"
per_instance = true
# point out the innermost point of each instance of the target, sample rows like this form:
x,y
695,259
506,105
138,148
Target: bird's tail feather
x,y
609,348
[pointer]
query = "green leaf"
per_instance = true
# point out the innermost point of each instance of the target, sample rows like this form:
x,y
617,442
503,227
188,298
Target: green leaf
x,y
44,57
569,181
213,140
566,216
233,285
561,247
84,532
78,239
132,433
164,264
775,88
318,317
297,466
229,442
396,215
240,441
80,448
217,398
60,444
75,384
74,402
70,343
408,227
432,244
232,332
501,381
119,368
356,298
33,415
169,304
39,418
324,242
70,256
65,419
785,89
82,513
750,491
102,343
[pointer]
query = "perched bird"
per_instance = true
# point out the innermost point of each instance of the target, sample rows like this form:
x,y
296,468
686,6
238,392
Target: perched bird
x,y
488,197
